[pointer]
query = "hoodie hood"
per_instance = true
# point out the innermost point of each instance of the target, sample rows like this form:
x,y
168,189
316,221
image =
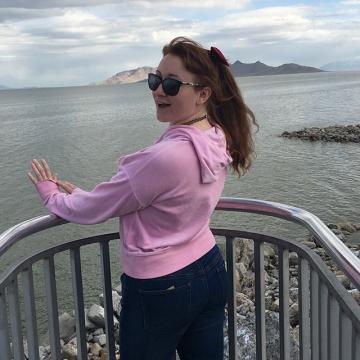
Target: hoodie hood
x,y
209,146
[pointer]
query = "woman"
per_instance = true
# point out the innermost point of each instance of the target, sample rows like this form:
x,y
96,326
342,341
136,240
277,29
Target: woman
x,y
174,286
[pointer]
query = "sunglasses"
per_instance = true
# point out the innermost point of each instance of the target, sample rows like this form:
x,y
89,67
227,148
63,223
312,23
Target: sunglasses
x,y
170,86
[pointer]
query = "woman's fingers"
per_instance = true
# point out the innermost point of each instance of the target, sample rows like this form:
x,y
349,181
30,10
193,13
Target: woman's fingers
x,y
47,170
42,171
32,178
36,167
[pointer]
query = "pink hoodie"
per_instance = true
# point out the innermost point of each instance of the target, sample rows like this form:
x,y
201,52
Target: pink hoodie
x,y
164,196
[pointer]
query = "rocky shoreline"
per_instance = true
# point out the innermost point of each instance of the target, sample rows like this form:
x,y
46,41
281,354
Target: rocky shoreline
x,y
336,133
245,307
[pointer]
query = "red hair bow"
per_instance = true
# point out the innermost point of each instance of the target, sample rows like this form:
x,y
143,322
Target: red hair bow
x,y
217,56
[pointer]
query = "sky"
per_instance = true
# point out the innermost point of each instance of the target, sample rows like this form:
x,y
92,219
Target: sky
x,y
76,42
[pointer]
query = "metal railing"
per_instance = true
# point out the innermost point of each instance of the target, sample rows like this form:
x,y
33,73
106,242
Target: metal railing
x,y
329,317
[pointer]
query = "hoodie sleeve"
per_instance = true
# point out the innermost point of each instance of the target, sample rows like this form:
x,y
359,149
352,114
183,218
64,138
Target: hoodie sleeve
x,y
105,201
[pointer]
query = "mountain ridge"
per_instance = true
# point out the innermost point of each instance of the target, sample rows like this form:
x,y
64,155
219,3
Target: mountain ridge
x,y
343,65
239,69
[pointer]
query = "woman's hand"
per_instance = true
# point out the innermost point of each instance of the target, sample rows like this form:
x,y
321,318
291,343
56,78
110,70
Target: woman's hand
x,y
42,172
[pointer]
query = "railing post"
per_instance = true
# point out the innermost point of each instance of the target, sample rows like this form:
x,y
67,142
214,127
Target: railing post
x,y
315,314
346,338
334,328
30,312
53,313
260,301
324,321
283,256
79,302
231,308
108,306
4,333
15,320
304,308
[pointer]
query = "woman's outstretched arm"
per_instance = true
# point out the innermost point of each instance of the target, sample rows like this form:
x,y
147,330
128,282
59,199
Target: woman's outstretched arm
x,y
105,201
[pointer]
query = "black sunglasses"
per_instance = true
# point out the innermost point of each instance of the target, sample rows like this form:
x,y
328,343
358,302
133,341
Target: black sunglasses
x,y
170,86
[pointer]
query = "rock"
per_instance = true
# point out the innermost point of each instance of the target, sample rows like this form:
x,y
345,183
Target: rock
x,y
294,314
70,352
246,341
332,226
355,294
89,325
309,244
245,252
275,305
44,353
344,280
293,283
95,349
269,251
102,339
293,259
339,234
336,133
98,332
96,315
118,289
348,227
115,301
66,326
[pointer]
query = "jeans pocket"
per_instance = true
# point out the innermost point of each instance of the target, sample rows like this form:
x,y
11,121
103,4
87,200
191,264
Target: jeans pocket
x,y
166,310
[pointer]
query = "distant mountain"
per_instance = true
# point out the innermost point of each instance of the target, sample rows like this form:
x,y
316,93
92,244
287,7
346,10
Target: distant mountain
x,y
128,76
238,68
344,65
259,69
3,87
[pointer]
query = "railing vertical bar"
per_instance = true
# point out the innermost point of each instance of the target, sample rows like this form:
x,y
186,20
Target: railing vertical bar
x,y
304,308
283,255
79,303
356,346
324,321
260,301
334,327
52,304
15,320
108,306
30,314
231,308
4,333
346,337
314,310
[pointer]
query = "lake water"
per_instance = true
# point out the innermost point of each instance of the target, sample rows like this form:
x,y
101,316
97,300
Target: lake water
x,y
82,131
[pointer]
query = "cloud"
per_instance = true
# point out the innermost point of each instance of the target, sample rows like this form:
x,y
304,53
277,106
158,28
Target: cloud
x,y
84,44
46,4
351,2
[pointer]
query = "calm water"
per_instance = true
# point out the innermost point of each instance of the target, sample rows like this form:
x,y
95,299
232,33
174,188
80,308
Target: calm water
x,y
83,130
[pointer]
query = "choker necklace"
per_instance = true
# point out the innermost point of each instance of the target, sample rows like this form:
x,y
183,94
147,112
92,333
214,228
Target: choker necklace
x,y
195,120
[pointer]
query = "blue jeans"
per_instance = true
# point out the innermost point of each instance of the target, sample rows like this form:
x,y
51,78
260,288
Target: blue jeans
x,y
182,311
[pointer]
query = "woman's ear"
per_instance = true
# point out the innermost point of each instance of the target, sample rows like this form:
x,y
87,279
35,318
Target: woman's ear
x,y
204,95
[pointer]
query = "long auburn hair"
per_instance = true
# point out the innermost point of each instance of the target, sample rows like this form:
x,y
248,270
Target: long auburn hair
x,y
225,106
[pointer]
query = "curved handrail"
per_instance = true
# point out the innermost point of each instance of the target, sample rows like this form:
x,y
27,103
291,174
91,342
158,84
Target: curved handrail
x,y
340,253
335,248
26,228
